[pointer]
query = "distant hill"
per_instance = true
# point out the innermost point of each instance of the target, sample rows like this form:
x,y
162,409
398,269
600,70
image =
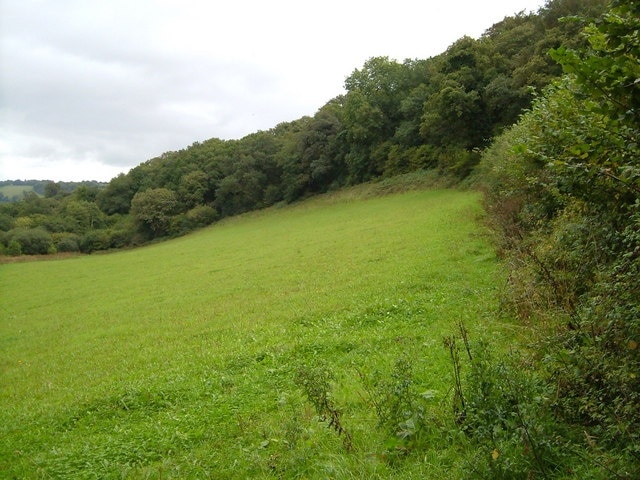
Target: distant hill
x,y
14,190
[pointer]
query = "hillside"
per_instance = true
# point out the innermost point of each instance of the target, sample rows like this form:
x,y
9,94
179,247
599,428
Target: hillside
x,y
199,357
15,190
395,117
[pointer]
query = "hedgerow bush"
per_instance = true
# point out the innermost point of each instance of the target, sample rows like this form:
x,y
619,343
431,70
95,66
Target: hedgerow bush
x,y
563,191
33,241
67,242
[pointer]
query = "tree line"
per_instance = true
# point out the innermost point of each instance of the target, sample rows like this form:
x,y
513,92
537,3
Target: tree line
x,y
395,117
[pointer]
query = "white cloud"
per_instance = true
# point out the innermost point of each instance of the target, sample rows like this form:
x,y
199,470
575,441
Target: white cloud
x,y
94,88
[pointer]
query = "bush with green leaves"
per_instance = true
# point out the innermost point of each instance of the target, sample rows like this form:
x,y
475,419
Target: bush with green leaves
x,y
564,188
6,222
67,242
198,217
95,240
506,414
14,248
33,241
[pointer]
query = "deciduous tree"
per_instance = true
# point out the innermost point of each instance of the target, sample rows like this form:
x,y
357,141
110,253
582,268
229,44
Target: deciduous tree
x,y
153,209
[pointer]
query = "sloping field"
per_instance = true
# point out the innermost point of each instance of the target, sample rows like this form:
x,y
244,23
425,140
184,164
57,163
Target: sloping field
x,y
10,191
195,358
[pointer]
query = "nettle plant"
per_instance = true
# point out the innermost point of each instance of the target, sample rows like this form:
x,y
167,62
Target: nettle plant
x,y
316,384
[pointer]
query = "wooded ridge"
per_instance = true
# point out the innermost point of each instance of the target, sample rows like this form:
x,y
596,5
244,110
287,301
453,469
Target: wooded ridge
x,y
438,113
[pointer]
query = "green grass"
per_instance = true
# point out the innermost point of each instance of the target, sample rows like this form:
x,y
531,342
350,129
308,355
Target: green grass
x,y
11,191
179,360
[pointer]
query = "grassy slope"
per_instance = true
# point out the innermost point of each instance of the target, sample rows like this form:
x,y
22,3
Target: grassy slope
x,y
10,191
178,359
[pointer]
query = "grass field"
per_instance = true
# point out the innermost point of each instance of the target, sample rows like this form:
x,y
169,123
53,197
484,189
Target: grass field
x,y
183,359
11,191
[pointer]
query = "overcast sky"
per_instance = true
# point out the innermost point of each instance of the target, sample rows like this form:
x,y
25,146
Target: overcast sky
x,y
92,88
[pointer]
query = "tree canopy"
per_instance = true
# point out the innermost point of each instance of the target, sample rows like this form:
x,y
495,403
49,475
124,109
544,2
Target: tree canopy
x,y
395,116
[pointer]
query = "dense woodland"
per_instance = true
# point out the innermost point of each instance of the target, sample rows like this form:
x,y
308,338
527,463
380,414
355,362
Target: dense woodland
x,y
543,113
439,113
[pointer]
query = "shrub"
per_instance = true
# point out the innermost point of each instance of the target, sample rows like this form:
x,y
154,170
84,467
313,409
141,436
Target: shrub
x,y
595,363
506,414
95,240
120,237
33,241
401,411
563,186
68,243
197,217
14,248
7,222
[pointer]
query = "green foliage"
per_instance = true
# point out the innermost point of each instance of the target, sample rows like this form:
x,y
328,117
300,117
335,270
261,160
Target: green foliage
x,y
395,117
116,198
451,117
32,204
595,367
240,192
455,114
83,215
316,384
608,71
506,416
32,241
193,188
14,248
403,413
67,242
86,193
311,156
154,208
51,189
7,222
95,240
564,189
198,217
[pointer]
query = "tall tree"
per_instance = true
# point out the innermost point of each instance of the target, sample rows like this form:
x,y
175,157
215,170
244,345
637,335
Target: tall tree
x,y
154,208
